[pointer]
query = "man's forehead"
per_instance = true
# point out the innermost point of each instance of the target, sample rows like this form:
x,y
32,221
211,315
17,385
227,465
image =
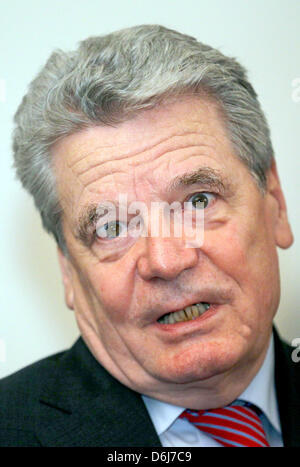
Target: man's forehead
x,y
148,129
102,160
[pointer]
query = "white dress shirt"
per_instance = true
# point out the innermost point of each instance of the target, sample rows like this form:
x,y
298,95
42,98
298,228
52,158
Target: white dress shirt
x,y
176,432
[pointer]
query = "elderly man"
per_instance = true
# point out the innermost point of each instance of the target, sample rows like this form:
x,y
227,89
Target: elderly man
x,y
177,345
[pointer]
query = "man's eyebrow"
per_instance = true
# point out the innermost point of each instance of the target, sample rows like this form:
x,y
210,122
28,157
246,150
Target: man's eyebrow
x,y
87,219
206,176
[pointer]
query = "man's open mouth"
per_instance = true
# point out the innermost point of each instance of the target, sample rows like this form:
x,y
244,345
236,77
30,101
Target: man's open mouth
x,y
187,314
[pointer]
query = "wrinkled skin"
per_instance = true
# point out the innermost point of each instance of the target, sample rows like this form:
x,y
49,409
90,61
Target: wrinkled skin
x,y
119,290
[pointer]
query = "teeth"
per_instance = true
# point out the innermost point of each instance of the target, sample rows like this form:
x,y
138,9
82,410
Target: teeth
x,y
187,314
203,307
172,318
195,311
181,316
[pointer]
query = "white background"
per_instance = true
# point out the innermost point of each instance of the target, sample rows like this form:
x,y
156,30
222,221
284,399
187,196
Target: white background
x,y
263,34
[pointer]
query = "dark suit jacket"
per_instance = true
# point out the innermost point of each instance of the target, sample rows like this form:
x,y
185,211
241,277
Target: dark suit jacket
x,y
69,399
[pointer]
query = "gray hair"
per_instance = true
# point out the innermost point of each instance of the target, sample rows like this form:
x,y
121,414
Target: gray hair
x,y
107,80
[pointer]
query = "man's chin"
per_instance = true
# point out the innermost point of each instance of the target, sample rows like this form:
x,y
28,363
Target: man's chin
x,y
190,369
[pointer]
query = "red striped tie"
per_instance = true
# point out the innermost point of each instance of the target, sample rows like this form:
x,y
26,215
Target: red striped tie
x,y
234,426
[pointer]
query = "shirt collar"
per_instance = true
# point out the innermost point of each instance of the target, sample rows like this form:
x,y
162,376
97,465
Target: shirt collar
x,y
261,392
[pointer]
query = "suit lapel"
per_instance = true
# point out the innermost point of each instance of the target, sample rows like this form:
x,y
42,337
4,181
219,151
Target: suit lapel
x,y
83,405
287,380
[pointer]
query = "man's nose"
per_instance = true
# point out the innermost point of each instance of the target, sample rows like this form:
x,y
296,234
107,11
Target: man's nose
x,y
165,258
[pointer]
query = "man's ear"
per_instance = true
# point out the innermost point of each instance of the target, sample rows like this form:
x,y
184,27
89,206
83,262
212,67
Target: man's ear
x,y
282,230
65,267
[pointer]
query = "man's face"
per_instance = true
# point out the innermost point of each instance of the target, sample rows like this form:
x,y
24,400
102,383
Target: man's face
x,y
120,286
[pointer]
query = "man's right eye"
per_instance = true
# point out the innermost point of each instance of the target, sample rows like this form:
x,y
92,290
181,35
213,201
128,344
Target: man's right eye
x,y
111,230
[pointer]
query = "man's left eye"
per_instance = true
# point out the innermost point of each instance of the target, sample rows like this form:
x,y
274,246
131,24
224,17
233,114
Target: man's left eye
x,y
201,200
